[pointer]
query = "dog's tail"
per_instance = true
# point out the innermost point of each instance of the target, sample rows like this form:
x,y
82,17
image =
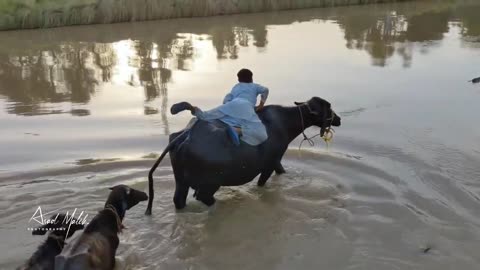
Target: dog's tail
x,y
154,167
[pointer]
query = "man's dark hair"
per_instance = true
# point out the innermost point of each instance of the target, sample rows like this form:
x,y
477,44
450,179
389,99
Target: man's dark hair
x,y
245,75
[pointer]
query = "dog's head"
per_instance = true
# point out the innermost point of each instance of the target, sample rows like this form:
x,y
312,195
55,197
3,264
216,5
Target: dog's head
x,y
125,197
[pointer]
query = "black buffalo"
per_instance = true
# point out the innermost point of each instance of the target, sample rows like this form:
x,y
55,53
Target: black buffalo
x,y
204,157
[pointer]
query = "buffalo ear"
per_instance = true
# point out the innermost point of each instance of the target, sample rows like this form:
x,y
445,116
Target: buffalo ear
x,y
297,103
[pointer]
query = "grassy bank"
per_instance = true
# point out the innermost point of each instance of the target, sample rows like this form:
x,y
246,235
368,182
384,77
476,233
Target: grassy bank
x,y
24,14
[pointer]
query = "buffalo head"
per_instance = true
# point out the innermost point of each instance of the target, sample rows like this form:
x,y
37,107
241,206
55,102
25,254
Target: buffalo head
x,y
320,114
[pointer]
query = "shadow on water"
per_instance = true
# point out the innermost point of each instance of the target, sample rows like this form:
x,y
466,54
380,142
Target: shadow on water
x,y
67,65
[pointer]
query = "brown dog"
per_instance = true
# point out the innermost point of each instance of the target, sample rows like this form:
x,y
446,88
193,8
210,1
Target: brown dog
x,y
62,228
95,249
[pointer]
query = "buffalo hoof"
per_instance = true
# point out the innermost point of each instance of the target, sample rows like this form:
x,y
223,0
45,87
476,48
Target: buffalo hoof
x,y
207,201
180,107
279,169
148,212
179,205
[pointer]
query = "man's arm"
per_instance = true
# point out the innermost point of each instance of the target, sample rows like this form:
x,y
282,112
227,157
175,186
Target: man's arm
x,y
263,92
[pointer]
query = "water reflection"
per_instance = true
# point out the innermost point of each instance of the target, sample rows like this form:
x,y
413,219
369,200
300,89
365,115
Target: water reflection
x,y
470,25
70,64
105,60
395,32
153,73
58,74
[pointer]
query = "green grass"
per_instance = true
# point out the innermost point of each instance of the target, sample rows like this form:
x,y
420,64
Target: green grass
x,y
7,6
12,6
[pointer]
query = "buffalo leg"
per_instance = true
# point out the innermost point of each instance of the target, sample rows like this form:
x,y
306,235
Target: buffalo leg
x,y
181,186
181,193
264,177
279,168
205,194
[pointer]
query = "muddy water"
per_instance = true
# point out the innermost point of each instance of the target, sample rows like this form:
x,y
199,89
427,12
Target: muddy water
x,y
85,108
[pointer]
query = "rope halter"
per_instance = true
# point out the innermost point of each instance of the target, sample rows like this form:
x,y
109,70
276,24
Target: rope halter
x,y
327,136
111,208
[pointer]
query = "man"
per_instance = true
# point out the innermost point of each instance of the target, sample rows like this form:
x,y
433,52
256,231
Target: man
x,y
238,109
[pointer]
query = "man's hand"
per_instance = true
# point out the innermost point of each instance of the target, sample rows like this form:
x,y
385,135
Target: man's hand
x,y
259,107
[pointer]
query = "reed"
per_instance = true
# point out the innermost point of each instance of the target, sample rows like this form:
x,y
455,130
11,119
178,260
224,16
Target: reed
x,y
24,14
